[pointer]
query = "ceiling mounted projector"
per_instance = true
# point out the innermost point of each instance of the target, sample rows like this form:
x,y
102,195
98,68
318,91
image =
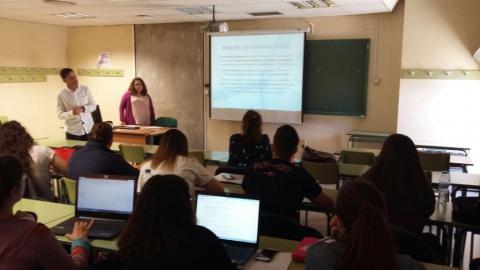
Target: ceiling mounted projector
x,y
214,26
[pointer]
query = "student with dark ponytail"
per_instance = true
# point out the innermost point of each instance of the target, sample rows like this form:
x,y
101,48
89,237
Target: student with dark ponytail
x,y
362,239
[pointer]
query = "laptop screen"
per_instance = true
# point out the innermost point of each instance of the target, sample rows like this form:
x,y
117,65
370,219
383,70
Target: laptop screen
x,y
230,218
107,196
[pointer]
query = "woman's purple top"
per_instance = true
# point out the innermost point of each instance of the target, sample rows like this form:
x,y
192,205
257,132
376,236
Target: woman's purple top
x,y
126,113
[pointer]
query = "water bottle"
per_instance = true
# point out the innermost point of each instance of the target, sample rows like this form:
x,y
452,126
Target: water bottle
x,y
443,184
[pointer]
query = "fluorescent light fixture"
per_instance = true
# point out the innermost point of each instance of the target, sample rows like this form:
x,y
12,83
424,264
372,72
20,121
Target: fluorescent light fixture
x,y
147,17
304,4
74,15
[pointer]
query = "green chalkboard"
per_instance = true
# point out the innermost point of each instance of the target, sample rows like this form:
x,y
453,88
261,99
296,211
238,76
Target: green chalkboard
x,y
336,77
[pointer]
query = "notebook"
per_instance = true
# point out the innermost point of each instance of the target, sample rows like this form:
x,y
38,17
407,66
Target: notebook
x,y
234,218
108,200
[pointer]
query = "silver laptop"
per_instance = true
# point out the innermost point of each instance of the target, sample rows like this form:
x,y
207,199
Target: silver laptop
x,y
108,200
234,219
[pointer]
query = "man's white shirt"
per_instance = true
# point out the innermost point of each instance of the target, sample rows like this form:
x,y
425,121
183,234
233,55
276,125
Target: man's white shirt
x,y
67,99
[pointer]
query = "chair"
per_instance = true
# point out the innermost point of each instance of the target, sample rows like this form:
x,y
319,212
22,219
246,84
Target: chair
x,y
354,157
68,188
132,153
324,173
166,122
280,226
3,119
199,155
421,247
434,161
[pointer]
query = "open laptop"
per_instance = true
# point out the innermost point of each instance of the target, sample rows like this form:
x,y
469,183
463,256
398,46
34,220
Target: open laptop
x,y
234,219
108,200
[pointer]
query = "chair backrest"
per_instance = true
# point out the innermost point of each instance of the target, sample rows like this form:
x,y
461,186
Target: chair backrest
x,y
199,155
324,173
280,226
420,247
354,157
132,153
434,161
166,122
69,189
3,119
97,115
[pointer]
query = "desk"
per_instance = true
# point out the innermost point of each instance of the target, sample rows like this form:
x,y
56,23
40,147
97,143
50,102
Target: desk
x,y
366,136
47,212
143,135
53,213
455,160
214,157
459,180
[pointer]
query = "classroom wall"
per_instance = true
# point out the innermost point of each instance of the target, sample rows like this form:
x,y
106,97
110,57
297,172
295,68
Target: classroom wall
x,y
169,59
85,43
441,34
27,44
327,133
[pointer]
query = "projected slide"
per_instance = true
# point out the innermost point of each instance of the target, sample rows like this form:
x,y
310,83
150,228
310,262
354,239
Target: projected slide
x,y
263,72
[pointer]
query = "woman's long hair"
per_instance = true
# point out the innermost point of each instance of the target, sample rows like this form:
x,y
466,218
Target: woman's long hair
x,y
156,227
252,126
398,174
132,90
368,242
17,142
172,144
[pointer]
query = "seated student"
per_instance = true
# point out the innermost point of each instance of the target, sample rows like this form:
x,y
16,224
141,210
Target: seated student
x,y
398,174
36,159
362,236
282,184
162,234
26,244
251,146
172,157
97,158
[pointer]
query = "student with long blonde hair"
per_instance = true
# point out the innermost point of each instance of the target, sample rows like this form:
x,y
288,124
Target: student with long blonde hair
x,y
172,157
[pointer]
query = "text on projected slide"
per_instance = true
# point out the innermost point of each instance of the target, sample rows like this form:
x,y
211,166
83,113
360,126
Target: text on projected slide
x,y
263,72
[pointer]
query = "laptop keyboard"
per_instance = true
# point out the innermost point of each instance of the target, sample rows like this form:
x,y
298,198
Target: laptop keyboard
x,y
238,255
100,229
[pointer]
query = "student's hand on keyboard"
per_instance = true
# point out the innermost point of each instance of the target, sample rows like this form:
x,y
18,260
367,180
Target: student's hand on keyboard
x,y
80,230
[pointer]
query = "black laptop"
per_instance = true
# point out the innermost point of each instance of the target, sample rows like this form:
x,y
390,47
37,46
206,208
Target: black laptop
x,y
108,200
234,219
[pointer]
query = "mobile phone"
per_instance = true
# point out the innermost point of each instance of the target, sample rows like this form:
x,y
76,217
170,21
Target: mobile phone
x,y
266,255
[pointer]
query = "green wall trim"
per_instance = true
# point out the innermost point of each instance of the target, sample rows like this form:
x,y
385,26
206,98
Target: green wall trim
x,y
22,78
100,72
436,74
28,71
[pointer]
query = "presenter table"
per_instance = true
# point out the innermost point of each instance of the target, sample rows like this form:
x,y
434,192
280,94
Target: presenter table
x,y
143,135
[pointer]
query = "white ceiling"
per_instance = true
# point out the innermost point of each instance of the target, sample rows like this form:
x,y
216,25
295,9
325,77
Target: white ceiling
x,y
111,12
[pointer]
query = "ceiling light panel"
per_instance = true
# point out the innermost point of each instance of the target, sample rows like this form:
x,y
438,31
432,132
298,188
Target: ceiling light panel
x,y
194,10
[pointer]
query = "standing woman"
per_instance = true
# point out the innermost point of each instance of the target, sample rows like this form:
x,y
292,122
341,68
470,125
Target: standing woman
x,y
136,107
251,146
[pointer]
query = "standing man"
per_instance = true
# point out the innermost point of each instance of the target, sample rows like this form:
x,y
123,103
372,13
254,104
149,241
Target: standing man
x,y
75,105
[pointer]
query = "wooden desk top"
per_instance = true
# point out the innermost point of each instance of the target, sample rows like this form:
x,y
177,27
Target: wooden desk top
x,y
145,131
